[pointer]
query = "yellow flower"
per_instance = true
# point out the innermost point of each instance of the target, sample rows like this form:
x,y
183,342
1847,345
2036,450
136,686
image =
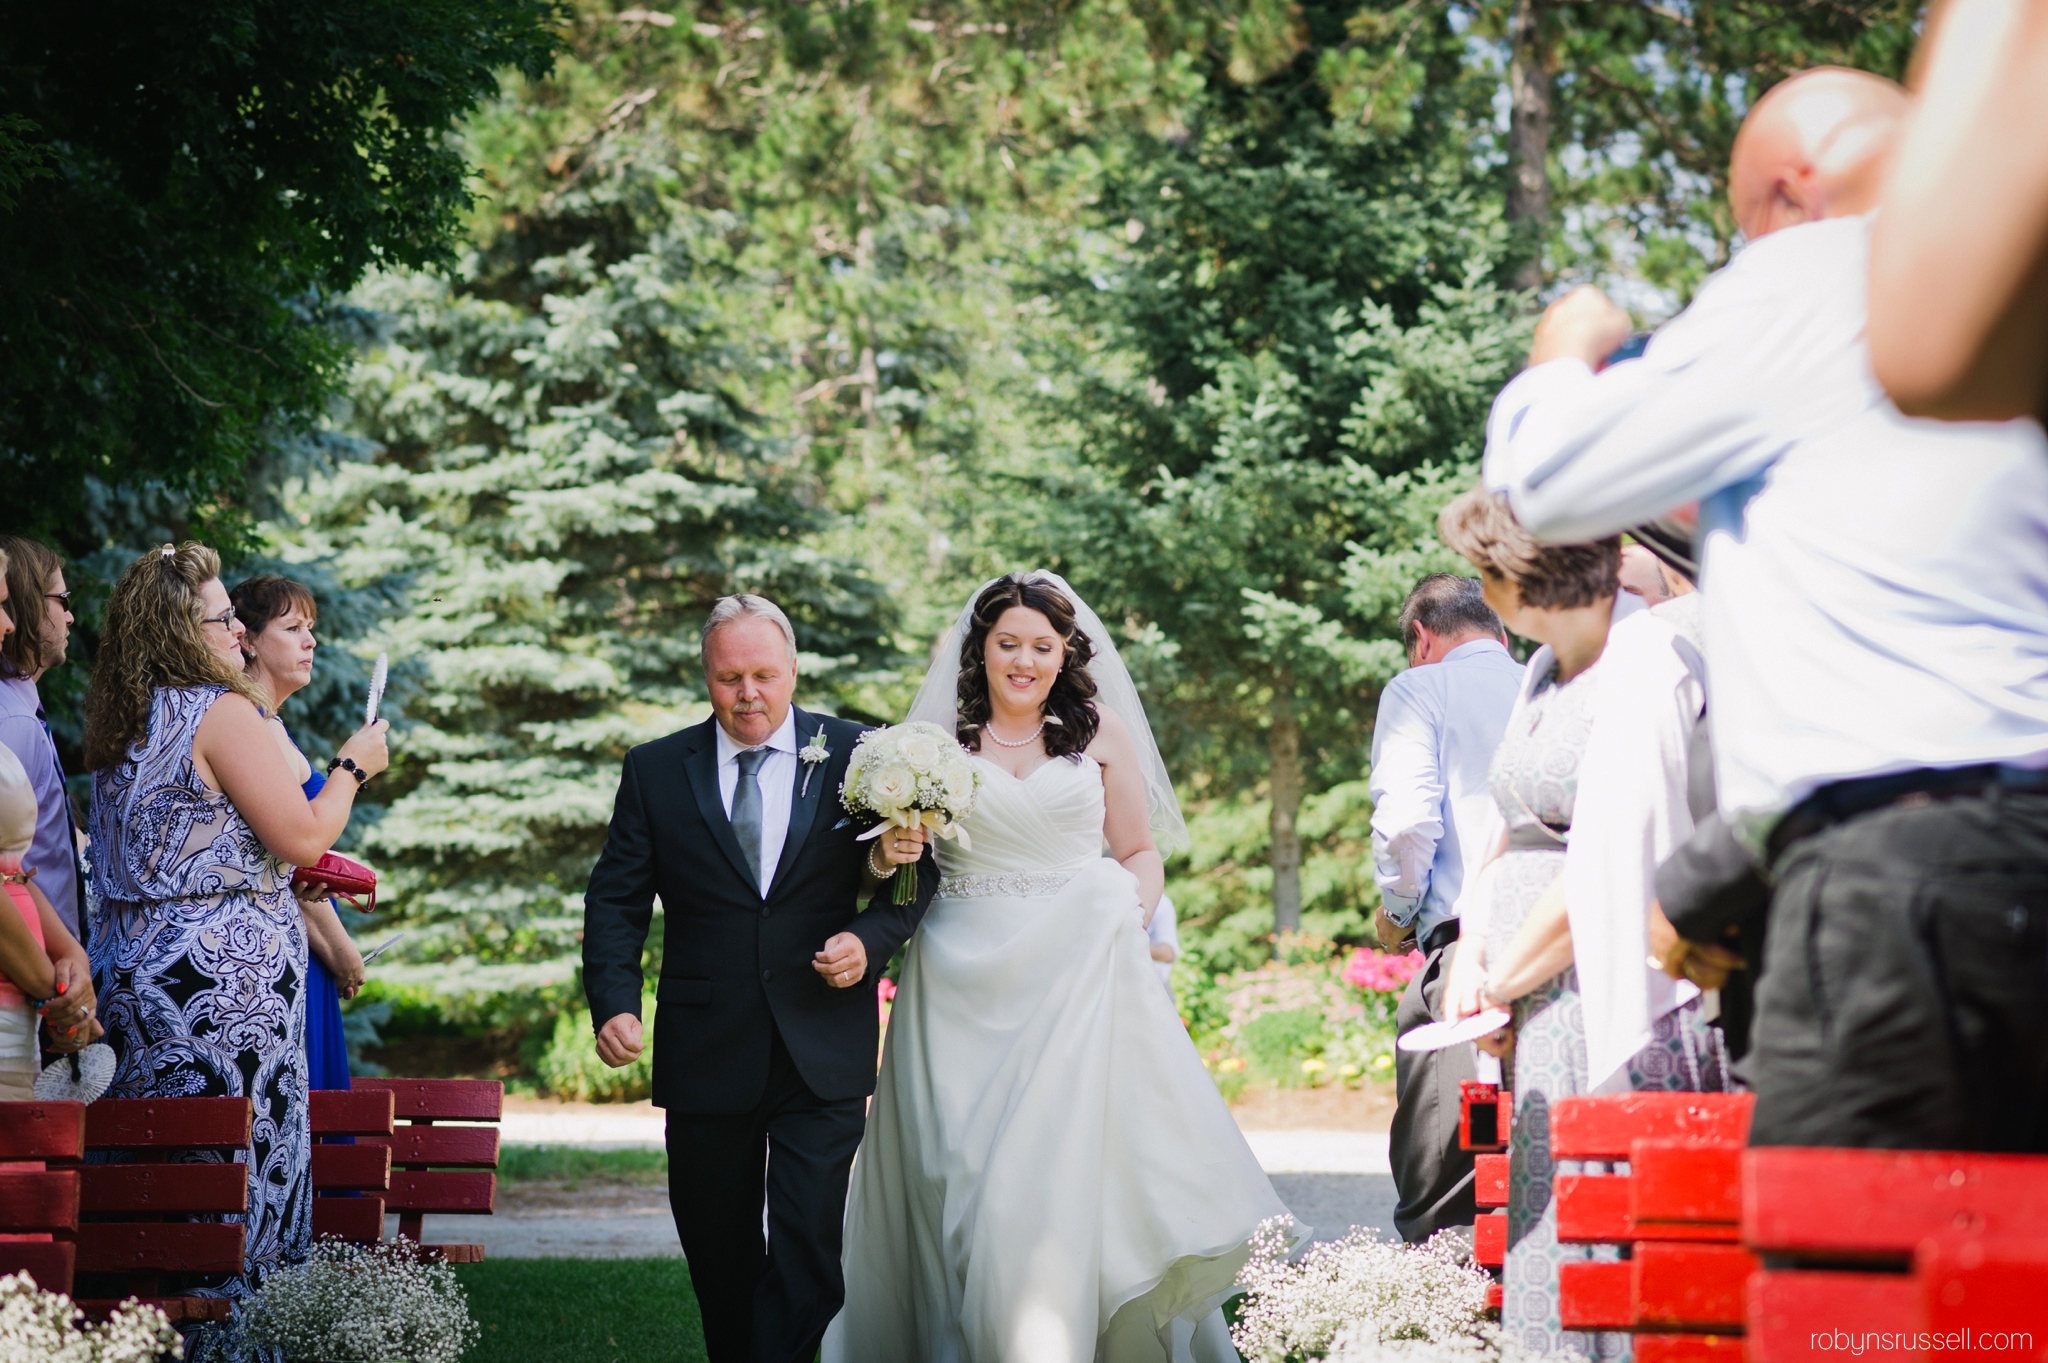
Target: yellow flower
x,y
1313,1067
1350,1071
1385,1062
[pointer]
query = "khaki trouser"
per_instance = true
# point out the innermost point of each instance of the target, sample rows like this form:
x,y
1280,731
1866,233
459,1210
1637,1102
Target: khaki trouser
x,y
18,1057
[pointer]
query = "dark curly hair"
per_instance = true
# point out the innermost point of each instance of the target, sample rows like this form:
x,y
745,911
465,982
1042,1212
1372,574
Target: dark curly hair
x,y
1070,719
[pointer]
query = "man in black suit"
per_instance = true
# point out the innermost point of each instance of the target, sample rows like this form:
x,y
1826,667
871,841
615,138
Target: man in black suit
x,y
766,1033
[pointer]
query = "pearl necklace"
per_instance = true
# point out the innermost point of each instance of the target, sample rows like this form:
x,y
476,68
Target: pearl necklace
x,y
1023,742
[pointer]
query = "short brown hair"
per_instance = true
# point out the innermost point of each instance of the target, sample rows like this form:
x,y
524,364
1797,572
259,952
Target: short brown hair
x,y
1482,526
260,600
31,567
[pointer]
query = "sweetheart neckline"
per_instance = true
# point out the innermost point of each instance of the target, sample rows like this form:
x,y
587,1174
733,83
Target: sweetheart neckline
x,y
1026,780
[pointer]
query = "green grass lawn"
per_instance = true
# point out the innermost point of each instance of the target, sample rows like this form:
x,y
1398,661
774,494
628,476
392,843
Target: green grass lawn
x,y
576,1165
583,1311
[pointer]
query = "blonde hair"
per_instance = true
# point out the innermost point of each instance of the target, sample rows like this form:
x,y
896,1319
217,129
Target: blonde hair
x,y
153,639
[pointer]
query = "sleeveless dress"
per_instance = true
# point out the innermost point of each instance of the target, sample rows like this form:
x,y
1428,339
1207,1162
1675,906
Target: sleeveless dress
x,y
326,1046
1535,781
1049,1174
199,959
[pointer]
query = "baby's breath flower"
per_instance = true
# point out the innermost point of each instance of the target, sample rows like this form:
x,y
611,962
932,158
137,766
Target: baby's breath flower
x,y
44,1327
1369,1293
363,1304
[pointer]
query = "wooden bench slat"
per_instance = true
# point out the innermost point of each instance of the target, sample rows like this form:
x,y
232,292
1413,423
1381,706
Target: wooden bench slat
x,y
160,1246
1986,1286
456,1254
1603,1128
43,1131
1592,1209
1882,1203
1594,1296
1685,1348
1683,1181
1490,1180
351,1112
1689,1287
39,1202
473,1147
180,1188
175,1309
51,1263
359,1220
1490,1239
441,1100
351,1168
1788,1308
175,1123
442,1193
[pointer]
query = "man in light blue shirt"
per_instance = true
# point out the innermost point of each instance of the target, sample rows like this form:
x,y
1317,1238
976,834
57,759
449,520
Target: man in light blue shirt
x,y
40,606
1432,746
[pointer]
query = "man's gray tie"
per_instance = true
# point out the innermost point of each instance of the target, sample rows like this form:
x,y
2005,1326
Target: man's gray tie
x,y
746,809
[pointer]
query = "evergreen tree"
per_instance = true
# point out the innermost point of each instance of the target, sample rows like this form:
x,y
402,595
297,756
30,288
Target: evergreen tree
x,y
1298,349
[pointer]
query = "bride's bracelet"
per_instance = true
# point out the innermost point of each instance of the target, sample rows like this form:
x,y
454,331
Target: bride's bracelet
x,y
881,869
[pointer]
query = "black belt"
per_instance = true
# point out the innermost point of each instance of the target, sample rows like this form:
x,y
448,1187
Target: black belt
x,y
1845,800
1537,837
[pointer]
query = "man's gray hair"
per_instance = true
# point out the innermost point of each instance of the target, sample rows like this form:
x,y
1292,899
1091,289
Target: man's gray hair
x,y
731,608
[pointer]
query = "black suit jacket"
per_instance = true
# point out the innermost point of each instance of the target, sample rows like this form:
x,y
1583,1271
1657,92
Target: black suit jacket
x,y
737,967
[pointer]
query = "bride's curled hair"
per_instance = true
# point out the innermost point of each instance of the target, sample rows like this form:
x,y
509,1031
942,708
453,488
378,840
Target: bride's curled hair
x,y
1070,720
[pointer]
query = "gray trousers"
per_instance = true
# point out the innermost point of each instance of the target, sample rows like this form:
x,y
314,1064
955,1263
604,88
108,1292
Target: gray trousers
x,y
1432,1176
1904,996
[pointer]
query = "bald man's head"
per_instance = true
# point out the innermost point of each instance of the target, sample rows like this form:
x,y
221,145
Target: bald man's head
x,y
1816,146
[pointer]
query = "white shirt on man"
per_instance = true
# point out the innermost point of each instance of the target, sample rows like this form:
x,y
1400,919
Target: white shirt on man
x,y
1876,596
777,776
1432,748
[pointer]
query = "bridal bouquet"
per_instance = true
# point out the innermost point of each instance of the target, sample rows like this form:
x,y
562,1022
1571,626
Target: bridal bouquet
x,y
913,776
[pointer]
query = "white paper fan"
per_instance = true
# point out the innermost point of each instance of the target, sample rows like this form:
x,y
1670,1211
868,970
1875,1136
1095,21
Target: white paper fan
x,y
77,1078
377,678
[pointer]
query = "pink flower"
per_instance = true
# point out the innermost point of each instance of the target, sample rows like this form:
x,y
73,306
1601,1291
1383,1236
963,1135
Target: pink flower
x,y
1378,971
887,988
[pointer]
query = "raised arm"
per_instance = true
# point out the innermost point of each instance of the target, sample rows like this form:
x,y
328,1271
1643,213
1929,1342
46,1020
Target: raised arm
x,y
236,755
1127,822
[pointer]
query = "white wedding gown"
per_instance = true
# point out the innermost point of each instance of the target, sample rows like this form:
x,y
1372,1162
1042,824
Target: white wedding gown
x,y
1049,1175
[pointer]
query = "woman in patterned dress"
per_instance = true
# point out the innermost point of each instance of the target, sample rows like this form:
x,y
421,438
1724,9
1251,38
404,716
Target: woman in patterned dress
x,y
1538,918
199,951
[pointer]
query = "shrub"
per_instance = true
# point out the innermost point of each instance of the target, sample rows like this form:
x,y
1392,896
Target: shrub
x,y
44,1327
570,1067
1366,1290
363,1304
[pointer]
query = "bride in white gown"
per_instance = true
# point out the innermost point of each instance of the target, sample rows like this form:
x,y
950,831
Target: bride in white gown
x,y
1049,1175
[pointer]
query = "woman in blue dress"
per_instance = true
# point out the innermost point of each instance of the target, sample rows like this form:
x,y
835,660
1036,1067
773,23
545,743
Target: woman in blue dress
x,y
199,947
278,615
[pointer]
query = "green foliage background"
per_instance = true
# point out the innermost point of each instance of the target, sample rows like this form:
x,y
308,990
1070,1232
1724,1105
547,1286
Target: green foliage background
x,y
853,304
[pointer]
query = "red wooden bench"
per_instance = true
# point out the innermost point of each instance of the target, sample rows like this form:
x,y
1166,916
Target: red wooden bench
x,y
1676,1210
350,1181
1485,1117
136,1235
440,1170
38,1204
1869,1248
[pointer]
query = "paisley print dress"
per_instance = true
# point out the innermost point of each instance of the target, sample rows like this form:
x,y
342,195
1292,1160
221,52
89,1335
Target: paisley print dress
x,y
199,957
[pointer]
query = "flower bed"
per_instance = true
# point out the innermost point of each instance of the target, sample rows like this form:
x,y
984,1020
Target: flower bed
x,y
1313,1017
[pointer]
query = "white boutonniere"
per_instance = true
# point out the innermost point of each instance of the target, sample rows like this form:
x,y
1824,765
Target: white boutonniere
x,y
813,755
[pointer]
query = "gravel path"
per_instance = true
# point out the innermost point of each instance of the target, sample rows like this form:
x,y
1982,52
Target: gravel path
x,y
1330,1180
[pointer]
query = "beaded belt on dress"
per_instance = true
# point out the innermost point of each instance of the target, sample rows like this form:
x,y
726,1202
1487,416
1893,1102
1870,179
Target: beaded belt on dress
x,y
1013,884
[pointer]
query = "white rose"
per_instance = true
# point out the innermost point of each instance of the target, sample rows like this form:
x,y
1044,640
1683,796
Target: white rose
x,y
959,787
921,751
892,788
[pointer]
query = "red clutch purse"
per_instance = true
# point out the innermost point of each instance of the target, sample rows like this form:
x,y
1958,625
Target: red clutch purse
x,y
348,879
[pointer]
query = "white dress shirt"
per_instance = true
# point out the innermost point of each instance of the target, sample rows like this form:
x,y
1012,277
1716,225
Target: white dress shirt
x,y
1876,596
777,775
1432,746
